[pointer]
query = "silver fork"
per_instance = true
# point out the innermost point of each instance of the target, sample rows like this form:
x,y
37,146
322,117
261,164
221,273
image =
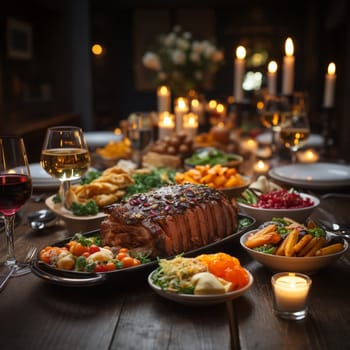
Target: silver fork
x,y
30,255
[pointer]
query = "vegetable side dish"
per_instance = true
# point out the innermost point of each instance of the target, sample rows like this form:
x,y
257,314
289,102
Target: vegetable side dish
x,y
285,237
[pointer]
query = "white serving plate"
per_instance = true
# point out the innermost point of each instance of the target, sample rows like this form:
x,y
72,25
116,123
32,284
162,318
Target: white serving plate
x,y
41,179
314,175
100,138
199,300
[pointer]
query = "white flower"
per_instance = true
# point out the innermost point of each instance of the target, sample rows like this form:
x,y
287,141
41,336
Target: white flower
x,y
182,44
151,60
195,57
178,57
169,40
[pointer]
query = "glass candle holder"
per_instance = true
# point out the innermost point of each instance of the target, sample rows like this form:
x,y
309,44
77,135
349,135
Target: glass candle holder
x,y
290,294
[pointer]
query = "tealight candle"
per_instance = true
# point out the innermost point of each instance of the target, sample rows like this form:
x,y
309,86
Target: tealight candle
x,y
248,145
166,124
261,167
288,68
308,156
190,124
164,98
290,292
328,99
181,108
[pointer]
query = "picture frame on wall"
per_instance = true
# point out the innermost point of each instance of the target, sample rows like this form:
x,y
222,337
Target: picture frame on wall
x,y
19,39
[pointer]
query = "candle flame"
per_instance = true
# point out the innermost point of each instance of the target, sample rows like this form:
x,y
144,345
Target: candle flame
x,y
220,108
289,47
195,103
272,67
163,90
212,104
331,68
241,52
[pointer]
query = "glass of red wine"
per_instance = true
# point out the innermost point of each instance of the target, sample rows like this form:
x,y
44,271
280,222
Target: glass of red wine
x,y
15,190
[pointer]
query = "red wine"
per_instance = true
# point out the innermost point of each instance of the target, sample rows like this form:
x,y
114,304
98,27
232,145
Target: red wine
x,y
15,190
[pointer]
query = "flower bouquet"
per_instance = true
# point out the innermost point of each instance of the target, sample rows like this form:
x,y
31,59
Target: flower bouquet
x,y
181,62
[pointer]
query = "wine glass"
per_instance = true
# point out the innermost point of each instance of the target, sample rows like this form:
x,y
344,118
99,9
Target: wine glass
x,y
140,133
296,129
15,190
274,113
65,156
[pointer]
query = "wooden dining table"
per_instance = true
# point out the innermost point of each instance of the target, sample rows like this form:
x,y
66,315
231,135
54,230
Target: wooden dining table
x,y
127,314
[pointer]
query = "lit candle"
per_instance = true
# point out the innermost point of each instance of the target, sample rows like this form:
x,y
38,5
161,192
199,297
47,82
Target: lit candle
x,y
220,133
288,68
248,145
164,97
272,78
239,73
261,167
166,124
181,108
197,108
308,156
190,124
290,291
328,100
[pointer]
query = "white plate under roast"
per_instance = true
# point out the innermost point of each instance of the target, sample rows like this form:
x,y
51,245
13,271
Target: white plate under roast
x,y
314,175
100,138
208,299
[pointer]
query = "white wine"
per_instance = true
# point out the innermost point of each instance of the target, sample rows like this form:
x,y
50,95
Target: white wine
x,y
294,138
273,120
65,163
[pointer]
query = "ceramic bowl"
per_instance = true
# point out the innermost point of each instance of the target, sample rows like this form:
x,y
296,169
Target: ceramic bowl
x,y
308,265
261,214
74,223
232,192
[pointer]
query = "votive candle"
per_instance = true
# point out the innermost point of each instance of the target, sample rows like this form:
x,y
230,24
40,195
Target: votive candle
x,y
190,124
166,124
181,108
290,291
261,167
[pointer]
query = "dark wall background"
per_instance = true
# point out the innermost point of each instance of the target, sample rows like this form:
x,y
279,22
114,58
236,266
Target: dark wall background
x,y
63,77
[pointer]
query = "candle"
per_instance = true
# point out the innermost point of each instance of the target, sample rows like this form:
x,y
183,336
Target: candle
x,y
197,108
164,97
220,133
166,124
248,145
288,68
261,167
308,156
239,68
290,294
190,124
272,78
181,108
328,100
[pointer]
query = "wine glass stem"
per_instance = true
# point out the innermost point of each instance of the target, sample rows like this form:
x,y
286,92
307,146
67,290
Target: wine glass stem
x,y
9,229
294,156
65,189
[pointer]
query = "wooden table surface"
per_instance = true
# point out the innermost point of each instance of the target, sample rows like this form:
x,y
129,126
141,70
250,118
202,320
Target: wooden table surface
x,y
129,315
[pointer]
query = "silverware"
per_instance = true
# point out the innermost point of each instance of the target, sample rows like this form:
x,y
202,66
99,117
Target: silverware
x,y
30,255
38,220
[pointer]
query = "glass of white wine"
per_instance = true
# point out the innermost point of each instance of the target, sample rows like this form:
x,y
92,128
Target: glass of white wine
x,y
296,129
65,156
140,133
274,113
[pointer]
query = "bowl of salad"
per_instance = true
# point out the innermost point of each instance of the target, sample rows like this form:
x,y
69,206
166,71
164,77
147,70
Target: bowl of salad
x,y
213,156
273,201
283,244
